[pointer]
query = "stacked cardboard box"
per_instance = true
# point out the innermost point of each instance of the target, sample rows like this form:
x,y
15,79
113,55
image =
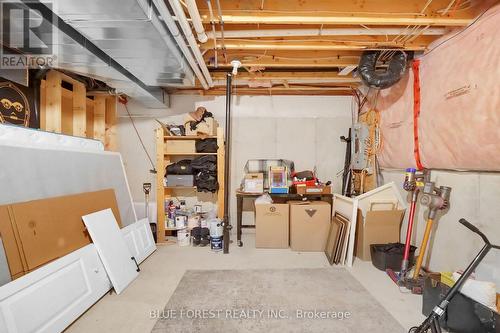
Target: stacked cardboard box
x,y
301,225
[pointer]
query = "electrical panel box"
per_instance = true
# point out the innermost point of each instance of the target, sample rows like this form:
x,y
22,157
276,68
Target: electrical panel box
x,y
359,146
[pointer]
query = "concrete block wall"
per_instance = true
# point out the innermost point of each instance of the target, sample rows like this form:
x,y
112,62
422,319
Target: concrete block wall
x,y
305,129
475,197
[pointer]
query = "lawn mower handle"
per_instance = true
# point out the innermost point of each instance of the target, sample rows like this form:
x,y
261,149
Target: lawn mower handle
x,y
474,229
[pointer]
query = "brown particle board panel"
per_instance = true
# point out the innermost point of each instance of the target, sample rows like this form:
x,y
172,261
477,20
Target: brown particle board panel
x,y
47,229
10,244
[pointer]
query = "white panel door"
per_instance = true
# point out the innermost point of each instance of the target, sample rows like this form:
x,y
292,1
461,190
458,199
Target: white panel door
x,y
139,239
50,298
113,251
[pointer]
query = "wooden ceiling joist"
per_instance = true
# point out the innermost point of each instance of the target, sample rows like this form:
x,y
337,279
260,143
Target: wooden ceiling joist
x,y
317,35
379,8
240,91
306,59
257,17
244,75
299,31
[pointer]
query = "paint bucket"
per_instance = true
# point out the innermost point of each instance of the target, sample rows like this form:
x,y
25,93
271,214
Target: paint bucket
x,y
193,222
180,221
216,244
204,223
183,237
216,229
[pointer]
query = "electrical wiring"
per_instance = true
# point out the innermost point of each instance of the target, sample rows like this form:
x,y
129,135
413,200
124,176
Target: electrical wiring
x,y
260,56
427,4
212,24
124,101
457,33
221,23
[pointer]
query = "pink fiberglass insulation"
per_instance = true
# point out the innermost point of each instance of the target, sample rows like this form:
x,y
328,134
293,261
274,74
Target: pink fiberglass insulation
x,y
459,123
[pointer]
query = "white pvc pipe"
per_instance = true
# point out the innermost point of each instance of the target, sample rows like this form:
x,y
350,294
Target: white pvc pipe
x,y
186,28
196,20
171,25
320,32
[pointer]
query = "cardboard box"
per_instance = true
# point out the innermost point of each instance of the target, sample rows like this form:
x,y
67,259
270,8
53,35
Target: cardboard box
x,y
180,146
378,227
309,225
37,232
271,226
253,183
302,189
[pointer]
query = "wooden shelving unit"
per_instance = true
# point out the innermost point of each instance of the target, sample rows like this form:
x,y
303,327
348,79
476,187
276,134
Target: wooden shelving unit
x,y
164,158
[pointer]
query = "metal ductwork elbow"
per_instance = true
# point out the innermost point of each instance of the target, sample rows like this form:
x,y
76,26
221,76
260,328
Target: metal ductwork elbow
x,y
378,79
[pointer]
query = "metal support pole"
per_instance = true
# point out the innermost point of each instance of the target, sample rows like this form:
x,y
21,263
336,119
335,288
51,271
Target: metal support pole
x,y
227,173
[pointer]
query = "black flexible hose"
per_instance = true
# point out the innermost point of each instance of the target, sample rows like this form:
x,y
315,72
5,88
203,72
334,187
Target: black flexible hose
x,y
377,79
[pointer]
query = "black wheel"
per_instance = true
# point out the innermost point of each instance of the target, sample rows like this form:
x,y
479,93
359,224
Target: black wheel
x,y
240,243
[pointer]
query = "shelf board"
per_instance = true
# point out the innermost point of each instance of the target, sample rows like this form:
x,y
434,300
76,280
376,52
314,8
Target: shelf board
x,y
189,137
189,154
174,229
179,187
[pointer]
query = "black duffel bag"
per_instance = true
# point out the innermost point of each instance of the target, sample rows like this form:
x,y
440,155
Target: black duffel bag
x,y
180,168
206,146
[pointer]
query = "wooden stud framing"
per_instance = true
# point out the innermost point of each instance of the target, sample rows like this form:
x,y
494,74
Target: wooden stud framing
x,y
160,189
72,112
79,110
52,118
99,118
110,142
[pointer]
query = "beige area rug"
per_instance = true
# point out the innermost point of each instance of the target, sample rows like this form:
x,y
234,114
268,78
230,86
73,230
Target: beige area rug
x,y
290,300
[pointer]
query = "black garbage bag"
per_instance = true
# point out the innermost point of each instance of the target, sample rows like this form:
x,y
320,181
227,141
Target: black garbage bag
x,y
206,181
207,162
206,146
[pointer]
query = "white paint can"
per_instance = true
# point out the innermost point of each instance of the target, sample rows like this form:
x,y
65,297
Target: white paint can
x,y
216,229
183,238
193,222
180,221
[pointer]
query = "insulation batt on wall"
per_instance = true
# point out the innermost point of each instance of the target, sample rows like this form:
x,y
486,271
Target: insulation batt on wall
x,y
459,102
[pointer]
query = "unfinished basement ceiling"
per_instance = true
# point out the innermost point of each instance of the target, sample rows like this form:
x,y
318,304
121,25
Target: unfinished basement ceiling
x,y
131,32
313,46
125,43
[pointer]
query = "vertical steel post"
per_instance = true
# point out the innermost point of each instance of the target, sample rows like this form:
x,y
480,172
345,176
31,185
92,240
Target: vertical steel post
x,y
227,164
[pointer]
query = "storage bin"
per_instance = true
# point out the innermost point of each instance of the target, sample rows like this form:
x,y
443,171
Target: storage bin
x,y
390,256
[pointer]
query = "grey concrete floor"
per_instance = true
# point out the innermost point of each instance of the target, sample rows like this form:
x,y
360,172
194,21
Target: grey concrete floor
x,y
162,271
